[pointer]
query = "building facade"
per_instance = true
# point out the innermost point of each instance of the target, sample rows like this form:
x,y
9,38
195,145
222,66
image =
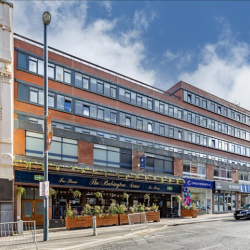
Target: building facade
x,y
6,111
194,144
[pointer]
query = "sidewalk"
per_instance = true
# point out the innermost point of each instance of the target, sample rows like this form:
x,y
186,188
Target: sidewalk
x,y
83,238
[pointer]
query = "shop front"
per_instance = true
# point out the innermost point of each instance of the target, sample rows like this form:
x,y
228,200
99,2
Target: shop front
x,y
79,190
225,196
244,196
198,193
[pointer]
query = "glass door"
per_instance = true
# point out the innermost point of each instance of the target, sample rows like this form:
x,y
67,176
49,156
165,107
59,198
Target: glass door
x,y
221,203
28,211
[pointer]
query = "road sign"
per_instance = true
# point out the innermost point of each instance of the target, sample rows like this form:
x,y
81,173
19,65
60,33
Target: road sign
x,y
44,188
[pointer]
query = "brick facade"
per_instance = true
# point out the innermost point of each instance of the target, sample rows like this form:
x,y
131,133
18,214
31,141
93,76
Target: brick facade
x,y
178,167
136,160
235,176
85,152
210,172
19,145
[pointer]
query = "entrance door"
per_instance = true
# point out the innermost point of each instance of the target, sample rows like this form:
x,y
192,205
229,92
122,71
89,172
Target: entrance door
x,y
32,210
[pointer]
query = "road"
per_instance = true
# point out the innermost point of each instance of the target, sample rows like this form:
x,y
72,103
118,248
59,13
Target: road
x,y
219,235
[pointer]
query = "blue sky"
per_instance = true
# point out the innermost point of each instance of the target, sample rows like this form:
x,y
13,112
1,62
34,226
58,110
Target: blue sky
x,y
205,43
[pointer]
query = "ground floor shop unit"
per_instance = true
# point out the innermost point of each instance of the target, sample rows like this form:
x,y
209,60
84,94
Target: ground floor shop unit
x,y
244,196
226,195
198,193
30,205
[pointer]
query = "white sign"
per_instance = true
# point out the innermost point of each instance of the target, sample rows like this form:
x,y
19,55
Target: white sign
x,y
44,188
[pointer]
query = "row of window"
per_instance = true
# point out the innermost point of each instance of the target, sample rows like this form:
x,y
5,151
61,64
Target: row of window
x,y
132,140
223,174
126,95
244,176
194,169
215,107
132,121
61,148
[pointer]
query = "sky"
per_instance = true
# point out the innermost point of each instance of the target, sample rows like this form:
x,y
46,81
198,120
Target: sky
x,y
203,43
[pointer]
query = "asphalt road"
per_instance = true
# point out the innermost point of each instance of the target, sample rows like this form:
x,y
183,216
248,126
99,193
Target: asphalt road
x,y
219,235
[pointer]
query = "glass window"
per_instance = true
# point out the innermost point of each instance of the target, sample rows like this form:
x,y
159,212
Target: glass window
x,y
67,76
40,67
33,64
150,127
93,84
150,104
162,129
78,80
33,95
60,102
107,115
85,83
139,101
180,135
189,98
21,61
219,110
171,111
204,104
41,97
139,124
59,73
100,114
171,132
51,101
127,96
179,113
162,108
99,88
85,110
67,105
113,92
51,70
128,121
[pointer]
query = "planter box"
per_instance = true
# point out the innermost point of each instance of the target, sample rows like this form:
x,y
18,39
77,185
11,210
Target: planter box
x,y
153,216
189,212
123,219
85,221
107,221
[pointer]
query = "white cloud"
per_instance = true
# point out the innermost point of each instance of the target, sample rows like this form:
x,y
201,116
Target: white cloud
x,y
98,41
180,59
223,68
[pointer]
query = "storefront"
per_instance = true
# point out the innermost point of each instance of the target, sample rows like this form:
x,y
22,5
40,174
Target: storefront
x,y
244,196
30,206
199,193
225,196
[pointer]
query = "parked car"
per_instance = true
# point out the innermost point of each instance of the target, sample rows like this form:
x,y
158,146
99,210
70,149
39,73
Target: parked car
x,y
243,212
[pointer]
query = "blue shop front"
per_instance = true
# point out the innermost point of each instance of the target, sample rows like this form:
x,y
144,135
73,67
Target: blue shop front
x,y
112,190
199,193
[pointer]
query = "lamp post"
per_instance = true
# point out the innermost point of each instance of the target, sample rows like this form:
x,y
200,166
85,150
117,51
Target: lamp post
x,y
46,21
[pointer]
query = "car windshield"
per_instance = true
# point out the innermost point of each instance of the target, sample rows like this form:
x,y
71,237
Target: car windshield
x,y
246,206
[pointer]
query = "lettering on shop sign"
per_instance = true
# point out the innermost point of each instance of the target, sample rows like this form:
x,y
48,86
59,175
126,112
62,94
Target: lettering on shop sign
x,y
38,177
153,187
132,185
108,183
68,181
169,188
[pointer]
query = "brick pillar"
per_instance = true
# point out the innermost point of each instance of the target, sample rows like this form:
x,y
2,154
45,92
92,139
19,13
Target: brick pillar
x,y
85,152
136,160
235,176
210,172
19,139
178,167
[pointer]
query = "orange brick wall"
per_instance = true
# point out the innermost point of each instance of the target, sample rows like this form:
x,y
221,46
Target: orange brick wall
x,y
85,152
178,167
19,139
210,172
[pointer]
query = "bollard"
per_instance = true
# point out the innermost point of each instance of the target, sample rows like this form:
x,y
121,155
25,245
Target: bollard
x,y
19,225
94,226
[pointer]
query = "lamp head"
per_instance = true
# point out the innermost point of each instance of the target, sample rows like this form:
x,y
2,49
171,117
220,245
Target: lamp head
x,y
46,18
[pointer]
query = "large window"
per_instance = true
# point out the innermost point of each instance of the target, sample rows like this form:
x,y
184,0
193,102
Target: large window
x,y
61,148
158,163
112,157
194,169
222,173
244,177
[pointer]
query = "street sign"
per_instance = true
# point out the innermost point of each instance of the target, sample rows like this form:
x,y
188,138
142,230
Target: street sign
x,y
142,162
44,188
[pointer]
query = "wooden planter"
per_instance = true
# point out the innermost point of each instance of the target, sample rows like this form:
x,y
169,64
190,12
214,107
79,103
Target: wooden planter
x,y
153,216
107,220
123,219
85,221
189,212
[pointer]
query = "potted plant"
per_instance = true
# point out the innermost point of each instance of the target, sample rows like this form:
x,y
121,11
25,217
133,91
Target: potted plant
x,y
21,191
98,195
153,214
123,218
52,192
77,194
189,210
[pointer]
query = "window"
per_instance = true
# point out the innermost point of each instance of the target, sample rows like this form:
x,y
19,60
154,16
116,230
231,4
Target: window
x,y
194,169
171,132
197,139
139,124
112,157
150,126
189,137
180,134
158,163
81,81
197,101
67,76
238,117
51,100
139,101
113,92
171,111
99,88
51,70
213,143
61,148
113,117
222,173
189,98
197,120
205,141
85,110
32,64
162,108
204,122
150,104
212,107
128,121
179,113
67,104
213,125
59,73
127,96
22,61
225,112
220,145
204,104
219,110
189,117
100,113
220,127
162,129
232,115
33,95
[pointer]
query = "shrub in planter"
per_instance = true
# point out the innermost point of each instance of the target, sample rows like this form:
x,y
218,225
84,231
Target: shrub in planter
x,y
77,194
121,209
112,210
154,208
98,195
141,208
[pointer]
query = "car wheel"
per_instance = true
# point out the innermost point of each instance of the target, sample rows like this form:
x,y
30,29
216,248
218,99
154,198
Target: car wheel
x,y
237,218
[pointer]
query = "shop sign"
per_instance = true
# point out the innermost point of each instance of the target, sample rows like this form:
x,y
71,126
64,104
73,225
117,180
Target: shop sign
x,y
38,177
245,188
198,183
88,182
227,186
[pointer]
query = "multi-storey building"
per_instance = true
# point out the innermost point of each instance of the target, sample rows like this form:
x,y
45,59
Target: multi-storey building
x,y
105,123
6,111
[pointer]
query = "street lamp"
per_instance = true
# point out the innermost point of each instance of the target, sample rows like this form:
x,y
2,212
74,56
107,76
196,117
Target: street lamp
x,y
46,21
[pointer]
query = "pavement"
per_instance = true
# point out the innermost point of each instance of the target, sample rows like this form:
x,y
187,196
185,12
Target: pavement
x,y
83,238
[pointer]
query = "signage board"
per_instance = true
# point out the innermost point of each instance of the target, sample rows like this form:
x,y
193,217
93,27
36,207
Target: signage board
x,y
44,188
198,183
101,183
227,186
245,188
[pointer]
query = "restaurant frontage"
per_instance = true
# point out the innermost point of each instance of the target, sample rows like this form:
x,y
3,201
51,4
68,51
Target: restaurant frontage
x,y
93,190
